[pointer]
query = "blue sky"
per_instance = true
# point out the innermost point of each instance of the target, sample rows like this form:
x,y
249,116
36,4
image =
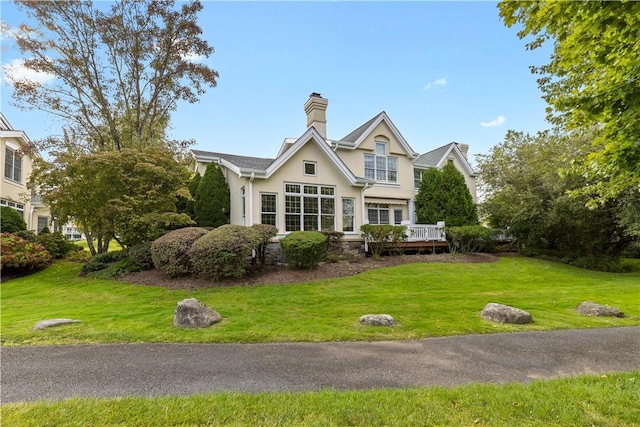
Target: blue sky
x,y
443,71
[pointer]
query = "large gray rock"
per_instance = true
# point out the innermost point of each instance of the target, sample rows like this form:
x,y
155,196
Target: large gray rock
x,y
505,314
44,324
590,308
191,313
377,320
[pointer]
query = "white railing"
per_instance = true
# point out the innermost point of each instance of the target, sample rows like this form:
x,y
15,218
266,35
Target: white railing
x,y
425,233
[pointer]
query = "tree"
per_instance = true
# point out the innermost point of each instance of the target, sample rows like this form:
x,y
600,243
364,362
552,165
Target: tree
x,y
527,192
592,80
119,71
127,195
444,196
213,200
186,205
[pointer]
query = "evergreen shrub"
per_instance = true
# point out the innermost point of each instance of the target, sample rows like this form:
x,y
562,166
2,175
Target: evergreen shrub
x,y
304,249
102,261
170,253
140,255
264,234
11,221
57,244
470,238
380,236
224,251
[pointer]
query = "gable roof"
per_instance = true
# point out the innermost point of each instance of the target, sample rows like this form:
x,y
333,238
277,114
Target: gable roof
x,y
264,168
436,158
355,138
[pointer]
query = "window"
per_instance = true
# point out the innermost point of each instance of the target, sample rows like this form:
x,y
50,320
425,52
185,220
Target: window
x,y
268,209
450,161
15,206
348,214
417,178
43,222
397,216
310,168
381,167
309,207
12,165
378,213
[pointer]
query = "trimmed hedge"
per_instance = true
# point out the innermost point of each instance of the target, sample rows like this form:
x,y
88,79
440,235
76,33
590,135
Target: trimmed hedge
x,y
19,255
170,253
224,251
304,249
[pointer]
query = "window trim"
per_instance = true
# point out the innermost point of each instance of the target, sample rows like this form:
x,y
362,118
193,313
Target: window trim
x,y
295,206
10,169
375,161
378,207
275,208
352,216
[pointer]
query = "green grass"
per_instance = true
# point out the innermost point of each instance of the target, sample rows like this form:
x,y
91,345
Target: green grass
x,y
607,400
427,299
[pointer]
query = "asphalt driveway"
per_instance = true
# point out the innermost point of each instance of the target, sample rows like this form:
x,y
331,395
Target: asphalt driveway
x,y
58,372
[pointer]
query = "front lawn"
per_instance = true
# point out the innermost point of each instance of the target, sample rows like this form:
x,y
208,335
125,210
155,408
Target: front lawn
x,y
427,299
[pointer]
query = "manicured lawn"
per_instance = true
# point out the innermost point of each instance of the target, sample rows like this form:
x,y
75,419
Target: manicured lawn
x,y
426,299
607,400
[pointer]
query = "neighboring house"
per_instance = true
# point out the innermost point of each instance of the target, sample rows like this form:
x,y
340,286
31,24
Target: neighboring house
x,y
315,183
17,164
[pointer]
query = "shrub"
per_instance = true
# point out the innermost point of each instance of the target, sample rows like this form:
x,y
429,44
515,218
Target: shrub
x,y
11,221
380,236
334,245
140,255
224,251
57,244
264,234
170,253
470,238
27,235
20,255
119,268
304,249
102,261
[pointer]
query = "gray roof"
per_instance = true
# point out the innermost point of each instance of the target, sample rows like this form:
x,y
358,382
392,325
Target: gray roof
x,y
243,162
433,157
353,136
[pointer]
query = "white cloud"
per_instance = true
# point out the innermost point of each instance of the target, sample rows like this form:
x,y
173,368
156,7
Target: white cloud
x,y
442,81
495,122
15,70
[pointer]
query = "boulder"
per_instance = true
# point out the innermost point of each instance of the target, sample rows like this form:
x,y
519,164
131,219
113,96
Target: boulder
x,y
590,308
377,320
505,314
191,313
44,324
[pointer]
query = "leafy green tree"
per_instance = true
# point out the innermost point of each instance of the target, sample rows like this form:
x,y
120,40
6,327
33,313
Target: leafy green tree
x,y
186,205
444,196
11,221
120,69
213,199
527,193
127,195
591,80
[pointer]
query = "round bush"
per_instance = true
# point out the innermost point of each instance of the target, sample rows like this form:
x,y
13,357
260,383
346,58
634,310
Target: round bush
x,y
224,251
170,252
57,244
11,221
19,254
140,255
102,261
304,249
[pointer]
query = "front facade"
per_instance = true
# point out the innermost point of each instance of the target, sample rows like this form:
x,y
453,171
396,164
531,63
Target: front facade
x,y
17,162
315,183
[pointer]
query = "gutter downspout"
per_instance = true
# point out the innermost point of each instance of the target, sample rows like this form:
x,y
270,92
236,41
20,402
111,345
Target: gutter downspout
x,y
364,218
253,176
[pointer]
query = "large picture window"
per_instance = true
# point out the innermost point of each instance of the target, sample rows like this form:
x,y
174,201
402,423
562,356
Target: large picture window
x,y
268,209
12,165
381,167
309,207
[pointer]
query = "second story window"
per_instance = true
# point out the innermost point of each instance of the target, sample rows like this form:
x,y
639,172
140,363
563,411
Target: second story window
x,y
12,165
381,167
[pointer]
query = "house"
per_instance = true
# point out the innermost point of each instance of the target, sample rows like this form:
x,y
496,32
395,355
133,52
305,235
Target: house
x,y
316,183
17,161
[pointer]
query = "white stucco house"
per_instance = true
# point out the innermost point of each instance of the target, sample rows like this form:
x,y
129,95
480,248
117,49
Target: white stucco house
x,y
318,183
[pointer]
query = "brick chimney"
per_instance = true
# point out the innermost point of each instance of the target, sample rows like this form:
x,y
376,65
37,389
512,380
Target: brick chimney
x,y
464,149
316,107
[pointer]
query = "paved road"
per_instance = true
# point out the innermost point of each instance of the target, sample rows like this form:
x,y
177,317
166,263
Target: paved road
x,y
59,372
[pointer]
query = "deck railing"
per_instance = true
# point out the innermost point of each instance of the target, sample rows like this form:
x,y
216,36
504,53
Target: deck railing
x,y
425,233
